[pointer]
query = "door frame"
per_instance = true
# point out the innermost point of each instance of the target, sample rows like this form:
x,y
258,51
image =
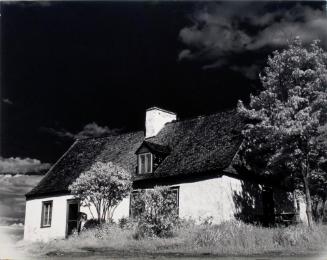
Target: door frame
x,y
70,201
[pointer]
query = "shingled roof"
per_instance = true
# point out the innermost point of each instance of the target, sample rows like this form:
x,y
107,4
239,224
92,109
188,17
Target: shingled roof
x,y
80,157
197,145
202,144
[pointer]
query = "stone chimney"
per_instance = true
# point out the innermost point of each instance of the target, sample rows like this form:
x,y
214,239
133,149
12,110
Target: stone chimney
x,y
155,120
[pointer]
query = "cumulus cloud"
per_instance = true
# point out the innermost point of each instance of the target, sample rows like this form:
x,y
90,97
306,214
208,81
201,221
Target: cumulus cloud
x,y
12,191
89,130
17,177
94,130
27,166
220,30
60,133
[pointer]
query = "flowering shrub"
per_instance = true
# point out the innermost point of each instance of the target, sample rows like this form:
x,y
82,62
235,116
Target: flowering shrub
x,y
156,212
103,186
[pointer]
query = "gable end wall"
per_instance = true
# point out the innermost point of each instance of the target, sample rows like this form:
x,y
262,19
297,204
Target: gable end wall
x,y
209,198
33,230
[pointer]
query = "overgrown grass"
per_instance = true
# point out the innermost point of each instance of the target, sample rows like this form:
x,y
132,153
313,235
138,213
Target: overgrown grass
x,y
242,239
229,238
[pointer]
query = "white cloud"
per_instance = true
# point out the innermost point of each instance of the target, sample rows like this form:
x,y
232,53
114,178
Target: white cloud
x,y
16,165
94,130
228,28
12,199
89,130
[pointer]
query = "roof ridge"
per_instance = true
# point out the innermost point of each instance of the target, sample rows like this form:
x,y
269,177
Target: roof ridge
x,y
172,122
201,116
103,137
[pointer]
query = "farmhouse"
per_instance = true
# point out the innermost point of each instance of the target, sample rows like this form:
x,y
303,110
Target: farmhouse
x,y
194,157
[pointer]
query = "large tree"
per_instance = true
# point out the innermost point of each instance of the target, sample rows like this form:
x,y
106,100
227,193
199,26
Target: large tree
x,y
289,114
103,186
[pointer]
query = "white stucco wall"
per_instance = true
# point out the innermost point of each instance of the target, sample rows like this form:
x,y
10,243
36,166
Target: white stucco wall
x,y
209,198
33,230
216,198
197,200
122,210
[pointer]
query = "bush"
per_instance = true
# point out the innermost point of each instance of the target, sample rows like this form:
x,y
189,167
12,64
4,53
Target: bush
x,y
91,223
123,222
156,212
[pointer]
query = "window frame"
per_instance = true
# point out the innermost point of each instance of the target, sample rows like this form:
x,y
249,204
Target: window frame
x,y
49,215
146,162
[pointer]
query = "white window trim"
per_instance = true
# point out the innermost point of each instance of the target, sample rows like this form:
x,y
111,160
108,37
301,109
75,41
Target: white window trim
x,y
45,219
145,164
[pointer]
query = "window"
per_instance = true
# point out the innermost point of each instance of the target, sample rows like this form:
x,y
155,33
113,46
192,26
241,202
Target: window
x,y
145,163
46,214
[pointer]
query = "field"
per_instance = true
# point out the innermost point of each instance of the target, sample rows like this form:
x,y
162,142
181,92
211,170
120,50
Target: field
x,y
12,232
230,239
9,235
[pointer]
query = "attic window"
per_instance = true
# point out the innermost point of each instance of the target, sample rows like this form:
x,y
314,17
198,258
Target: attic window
x,y
46,214
145,163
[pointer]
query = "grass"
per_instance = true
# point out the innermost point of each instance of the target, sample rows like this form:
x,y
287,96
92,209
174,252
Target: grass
x,y
229,238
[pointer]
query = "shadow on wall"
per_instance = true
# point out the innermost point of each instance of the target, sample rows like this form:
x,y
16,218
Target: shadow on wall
x,y
257,204
248,203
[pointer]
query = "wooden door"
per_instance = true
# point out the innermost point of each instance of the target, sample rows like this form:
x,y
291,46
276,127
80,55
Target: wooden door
x,y
72,216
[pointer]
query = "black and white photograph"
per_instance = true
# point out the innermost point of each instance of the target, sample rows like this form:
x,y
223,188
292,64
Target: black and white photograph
x,y
163,130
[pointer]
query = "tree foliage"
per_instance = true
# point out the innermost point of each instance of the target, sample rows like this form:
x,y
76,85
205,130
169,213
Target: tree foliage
x,y
103,186
290,115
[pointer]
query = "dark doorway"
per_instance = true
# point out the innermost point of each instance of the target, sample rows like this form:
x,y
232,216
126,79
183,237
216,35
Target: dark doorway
x,y
72,216
268,206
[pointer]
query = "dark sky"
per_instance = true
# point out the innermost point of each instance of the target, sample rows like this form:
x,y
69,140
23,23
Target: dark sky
x,y
67,64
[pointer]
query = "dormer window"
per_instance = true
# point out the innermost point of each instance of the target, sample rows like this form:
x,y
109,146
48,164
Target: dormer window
x,y
145,163
149,156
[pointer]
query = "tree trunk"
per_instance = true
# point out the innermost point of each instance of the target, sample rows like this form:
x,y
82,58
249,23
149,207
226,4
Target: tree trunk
x,y
308,200
98,209
99,215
